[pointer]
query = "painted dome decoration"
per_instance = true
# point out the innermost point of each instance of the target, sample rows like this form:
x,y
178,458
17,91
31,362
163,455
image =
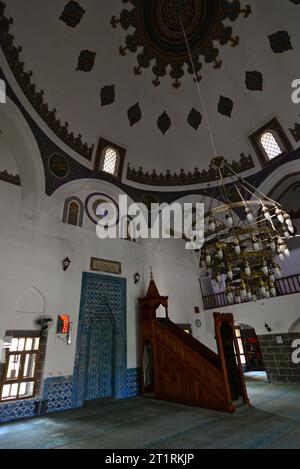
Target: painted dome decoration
x,y
159,33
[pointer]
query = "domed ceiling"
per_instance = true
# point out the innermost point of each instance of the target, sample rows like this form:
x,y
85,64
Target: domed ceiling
x,y
120,70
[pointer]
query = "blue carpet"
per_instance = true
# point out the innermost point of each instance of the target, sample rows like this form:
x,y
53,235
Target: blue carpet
x,y
272,421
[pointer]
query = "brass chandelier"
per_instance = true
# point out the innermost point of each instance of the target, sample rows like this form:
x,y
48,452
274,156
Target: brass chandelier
x,y
246,233
243,238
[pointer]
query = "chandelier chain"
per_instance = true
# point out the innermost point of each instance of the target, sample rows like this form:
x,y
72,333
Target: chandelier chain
x,y
213,144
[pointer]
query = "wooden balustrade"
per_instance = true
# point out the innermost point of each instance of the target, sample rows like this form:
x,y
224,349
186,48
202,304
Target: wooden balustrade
x,y
186,371
284,286
176,367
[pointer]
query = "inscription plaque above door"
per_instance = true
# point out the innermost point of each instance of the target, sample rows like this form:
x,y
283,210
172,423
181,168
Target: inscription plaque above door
x,y
103,265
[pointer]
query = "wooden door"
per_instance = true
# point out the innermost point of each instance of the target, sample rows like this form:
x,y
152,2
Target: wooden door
x,y
252,350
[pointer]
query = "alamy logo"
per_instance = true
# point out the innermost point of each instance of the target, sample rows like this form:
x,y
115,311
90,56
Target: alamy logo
x,y
2,92
162,221
296,353
296,92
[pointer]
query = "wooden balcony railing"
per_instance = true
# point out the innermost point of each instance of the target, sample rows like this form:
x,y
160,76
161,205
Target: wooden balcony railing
x,y
284,286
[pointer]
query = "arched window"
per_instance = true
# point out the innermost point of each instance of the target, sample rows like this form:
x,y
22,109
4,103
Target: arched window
x,y
73,212
270,145
110,162
270,141
109,159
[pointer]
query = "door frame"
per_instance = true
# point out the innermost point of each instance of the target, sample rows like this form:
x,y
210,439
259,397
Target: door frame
x,y
219,319
84,321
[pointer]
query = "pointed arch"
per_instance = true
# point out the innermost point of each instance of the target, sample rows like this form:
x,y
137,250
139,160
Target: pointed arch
x,y
31,301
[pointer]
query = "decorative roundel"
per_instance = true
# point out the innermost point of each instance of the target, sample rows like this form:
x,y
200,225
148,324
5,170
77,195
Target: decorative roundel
x,y
161,28
162,25
58,166
170,15
198,323
100,206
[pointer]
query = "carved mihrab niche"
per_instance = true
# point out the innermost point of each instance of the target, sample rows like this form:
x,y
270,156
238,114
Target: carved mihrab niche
x,y
158,40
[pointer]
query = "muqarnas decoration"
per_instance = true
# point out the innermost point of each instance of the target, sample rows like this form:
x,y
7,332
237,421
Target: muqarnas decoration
x,y
158,40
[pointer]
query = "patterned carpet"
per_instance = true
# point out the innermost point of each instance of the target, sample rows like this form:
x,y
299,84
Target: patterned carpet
x,y
273,421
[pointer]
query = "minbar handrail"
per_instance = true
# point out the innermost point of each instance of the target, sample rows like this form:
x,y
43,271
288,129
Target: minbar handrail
x,y
284,286
191,342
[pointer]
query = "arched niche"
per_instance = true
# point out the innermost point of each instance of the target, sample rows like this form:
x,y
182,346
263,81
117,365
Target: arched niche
x,y
80,189
22,145
31,301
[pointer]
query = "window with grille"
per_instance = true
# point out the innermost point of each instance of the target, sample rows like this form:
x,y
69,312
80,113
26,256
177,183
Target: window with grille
x,y
110,161
19,378
270,142
270,145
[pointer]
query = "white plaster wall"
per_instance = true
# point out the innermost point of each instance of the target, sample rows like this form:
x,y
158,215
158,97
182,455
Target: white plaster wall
x,y
31,256
7,161
176,275
280,313
34,241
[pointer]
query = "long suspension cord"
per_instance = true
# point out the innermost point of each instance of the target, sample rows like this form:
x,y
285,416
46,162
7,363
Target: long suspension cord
x,y
206,113
199,90
255,189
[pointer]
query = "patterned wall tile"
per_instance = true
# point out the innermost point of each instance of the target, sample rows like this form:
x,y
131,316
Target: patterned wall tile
x,y
18,410
132,382
58,393
103,303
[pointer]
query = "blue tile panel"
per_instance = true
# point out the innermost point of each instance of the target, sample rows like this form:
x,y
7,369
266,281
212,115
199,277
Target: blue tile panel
x,y
102,311
17,410
58,393
132,382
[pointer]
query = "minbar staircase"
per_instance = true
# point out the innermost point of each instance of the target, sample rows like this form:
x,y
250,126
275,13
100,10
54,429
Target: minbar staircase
x,y
176,367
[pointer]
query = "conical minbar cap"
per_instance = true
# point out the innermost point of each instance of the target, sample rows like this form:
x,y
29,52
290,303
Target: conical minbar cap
x,y
152,290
